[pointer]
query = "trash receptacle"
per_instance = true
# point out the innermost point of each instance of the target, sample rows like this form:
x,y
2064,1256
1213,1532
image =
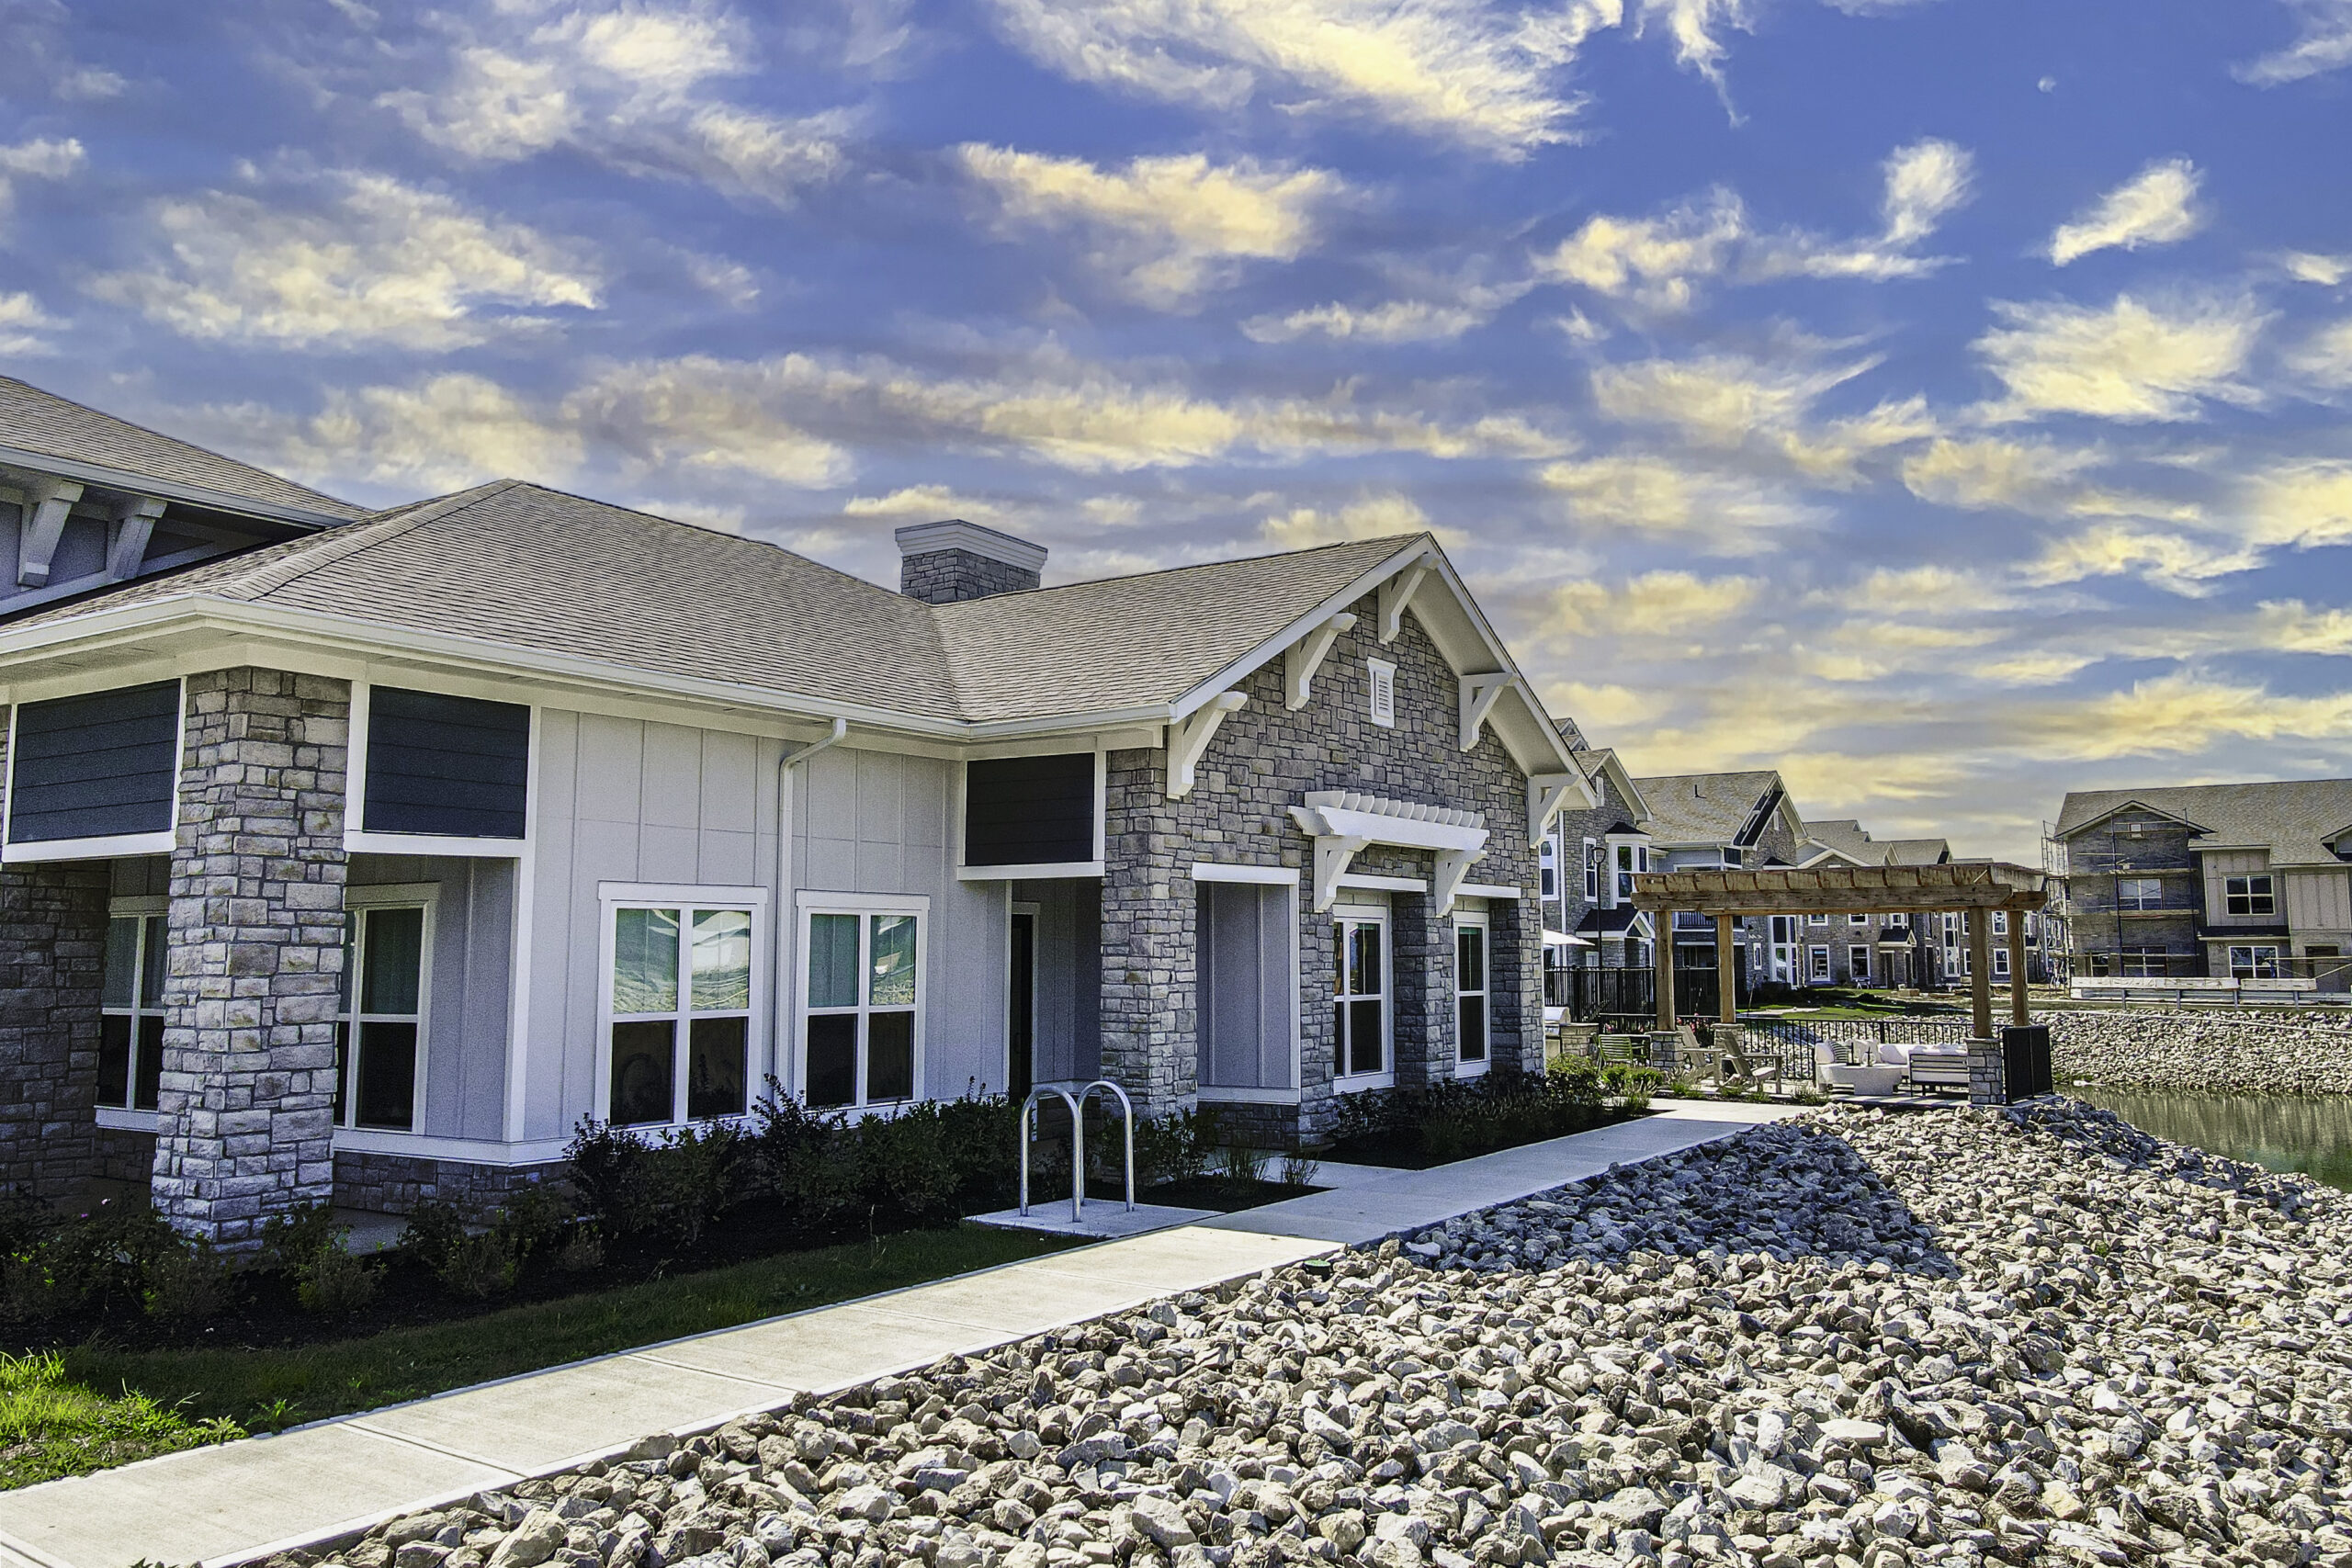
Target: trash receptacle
x,y
2025,1060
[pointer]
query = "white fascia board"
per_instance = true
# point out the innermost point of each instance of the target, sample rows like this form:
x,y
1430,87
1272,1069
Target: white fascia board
x,y
107,848
1366,882
170,489
1264,875
358,841
1249,663
1035,872
1489,890
1528,734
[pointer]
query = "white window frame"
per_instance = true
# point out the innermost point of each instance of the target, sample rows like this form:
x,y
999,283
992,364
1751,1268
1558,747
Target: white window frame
x,y
1380,686
1857,963
2140,898
1858,920
809,904
2000,923
1040,870
142,908
1547,869
1819,968
2255,967
2258,901
1592,870
425,895
107,846
1484,991
686,898
2000,963
358,841
1816,917
1376,915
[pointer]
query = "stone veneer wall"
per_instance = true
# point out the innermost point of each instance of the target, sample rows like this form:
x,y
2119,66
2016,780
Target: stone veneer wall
x,y
1262,760
950,577
52,947
396,1184
245,1125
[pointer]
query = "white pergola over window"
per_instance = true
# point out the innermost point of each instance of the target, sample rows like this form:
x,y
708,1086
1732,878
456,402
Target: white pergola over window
x,y
1343,824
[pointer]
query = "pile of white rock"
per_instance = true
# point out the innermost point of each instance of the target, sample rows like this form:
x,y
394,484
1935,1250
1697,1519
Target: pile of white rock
x,y
1861,1339
2208,1052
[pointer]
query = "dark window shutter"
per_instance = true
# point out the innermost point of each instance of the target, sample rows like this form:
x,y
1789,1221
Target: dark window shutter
x,y
96,766
454,767
1029,810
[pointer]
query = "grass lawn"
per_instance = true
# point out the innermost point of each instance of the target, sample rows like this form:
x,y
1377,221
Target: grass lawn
x,y
65,1427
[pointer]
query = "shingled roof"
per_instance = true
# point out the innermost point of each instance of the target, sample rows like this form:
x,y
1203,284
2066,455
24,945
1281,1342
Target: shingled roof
x,y
1703,809
523,566
2293,817
46,431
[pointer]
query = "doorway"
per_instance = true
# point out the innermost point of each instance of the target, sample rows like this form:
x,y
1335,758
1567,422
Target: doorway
x,y
1021,1032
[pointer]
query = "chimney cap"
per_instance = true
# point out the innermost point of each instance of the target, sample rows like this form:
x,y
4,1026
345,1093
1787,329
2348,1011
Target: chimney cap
x,y
954,533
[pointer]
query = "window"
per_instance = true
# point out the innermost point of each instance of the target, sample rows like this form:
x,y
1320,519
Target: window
x,y
2000,963
1857,963
860,1015
683,991
131,1041
2260,962
1359,998
1858,920
1592,872
2249,896
2139,893
380,1027
1818,917
1733,857
2000,923
1627,863
1382,680
1548,869
2142,963
1818,960
1470,991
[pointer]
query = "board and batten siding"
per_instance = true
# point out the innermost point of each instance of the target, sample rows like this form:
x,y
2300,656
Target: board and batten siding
x,y
2319,902
2222,864
624,800
473,946
1066,1026
867,821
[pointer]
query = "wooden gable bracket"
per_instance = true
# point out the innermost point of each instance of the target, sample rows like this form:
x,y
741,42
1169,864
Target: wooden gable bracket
x,y
1397,593
1546,792
134,524
1189,737
1306,656
1479,696
47,503
1453,865
1332,856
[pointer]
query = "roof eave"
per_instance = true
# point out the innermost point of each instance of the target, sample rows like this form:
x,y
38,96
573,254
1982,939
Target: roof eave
x,y
170,489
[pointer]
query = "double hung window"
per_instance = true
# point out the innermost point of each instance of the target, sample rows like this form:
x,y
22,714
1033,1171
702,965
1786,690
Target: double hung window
x,y
1360,999
1628,862
1818,960
131,1040
1858,920
683,993
2142,963
861,1009
1470,991
1592,872
2249,896
1857,964
379,1028
2139,893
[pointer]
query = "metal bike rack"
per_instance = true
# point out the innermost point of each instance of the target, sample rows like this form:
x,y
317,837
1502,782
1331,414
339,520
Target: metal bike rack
x,y
1076,1103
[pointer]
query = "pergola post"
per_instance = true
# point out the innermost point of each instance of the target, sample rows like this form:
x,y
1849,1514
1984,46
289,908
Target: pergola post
x,y
2018,1012
1663,955
1980,972
1726,972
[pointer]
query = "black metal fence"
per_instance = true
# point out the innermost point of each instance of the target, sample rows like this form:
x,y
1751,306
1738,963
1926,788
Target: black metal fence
x,y
1629,996
1856,1040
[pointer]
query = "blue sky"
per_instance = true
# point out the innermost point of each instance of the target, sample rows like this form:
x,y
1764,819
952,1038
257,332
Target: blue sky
x,y
1943,400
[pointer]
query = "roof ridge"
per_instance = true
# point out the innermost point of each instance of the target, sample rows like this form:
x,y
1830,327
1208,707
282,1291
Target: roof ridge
x,y
1032,594
340,544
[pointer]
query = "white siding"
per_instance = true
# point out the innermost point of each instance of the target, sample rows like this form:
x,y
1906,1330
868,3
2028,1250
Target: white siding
x,y
1066,1027
2220,866
473,934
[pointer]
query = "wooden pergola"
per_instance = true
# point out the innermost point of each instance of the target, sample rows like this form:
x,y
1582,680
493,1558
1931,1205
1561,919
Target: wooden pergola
x,y
1971,890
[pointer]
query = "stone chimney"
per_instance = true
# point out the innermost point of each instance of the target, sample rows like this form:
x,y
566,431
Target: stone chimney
x,y
944,563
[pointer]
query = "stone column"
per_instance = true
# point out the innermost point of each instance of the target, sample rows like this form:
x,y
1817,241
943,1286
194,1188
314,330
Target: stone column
x,y
1515,983
52,948
1420,947
1151,936
245,1125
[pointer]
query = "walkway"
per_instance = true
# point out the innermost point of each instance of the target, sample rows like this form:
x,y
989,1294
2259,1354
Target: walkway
x,y
247,1499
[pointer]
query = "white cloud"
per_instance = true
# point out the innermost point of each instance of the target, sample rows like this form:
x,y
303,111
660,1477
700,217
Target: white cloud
x,y
922,503
1977,475
1397,321
1653,262
2177,562
2325,45
1375,516
1644,495
1926,182
2179,713
22,321
2326,355
43,158
1656,603
1694,27
2302,504
370,262
2131,362
1452,69
1727,402
2310,267
443,434
1168,227
2155,207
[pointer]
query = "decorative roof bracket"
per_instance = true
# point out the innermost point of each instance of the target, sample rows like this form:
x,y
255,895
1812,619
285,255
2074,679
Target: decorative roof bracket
x,y
1189,737
47,503
1546,792
1479,696
1306,656
1397,593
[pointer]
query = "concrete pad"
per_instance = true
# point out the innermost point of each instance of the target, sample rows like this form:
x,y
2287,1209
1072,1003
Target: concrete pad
x,y
237,1498
830,1349
1101,1221
1016,1303
1188,1258
531,1422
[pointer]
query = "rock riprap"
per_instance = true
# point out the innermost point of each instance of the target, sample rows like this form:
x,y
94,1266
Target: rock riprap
x,y
1860,1339
2205,1051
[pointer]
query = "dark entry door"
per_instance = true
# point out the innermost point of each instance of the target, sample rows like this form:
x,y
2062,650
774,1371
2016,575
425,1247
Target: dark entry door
x,y
1023,1012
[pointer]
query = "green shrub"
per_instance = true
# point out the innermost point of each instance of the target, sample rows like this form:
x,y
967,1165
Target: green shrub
x,y
1632,1085
336,1282
607,1169
904,1174
1240,1163
1174,1148
186,1284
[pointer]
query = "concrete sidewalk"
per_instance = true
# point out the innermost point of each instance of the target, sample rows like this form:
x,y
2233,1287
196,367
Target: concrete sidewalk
x,y
247,1499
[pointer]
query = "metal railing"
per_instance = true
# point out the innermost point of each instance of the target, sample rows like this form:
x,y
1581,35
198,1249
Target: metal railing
x,y
1076,1103
1850,1037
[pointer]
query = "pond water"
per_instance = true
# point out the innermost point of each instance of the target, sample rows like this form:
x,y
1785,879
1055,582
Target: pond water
x,y
2275,1131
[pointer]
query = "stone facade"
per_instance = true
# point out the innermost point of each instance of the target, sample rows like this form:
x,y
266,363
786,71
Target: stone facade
x,y
396,1184
52,948
257,930
1263,762
949,577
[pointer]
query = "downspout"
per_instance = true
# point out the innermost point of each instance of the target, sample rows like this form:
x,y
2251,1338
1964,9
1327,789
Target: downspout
x,y
783,915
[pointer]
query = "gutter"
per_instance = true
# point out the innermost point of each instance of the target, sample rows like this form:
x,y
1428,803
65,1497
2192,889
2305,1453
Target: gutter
x,y
778,944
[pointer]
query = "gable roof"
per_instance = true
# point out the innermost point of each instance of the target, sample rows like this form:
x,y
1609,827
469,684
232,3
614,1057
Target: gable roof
x,y
53,434
1918,852
1707,808
1601,765
2293,819
1843,837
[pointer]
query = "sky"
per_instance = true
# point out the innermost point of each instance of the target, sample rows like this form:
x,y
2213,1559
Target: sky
x,y
1941,400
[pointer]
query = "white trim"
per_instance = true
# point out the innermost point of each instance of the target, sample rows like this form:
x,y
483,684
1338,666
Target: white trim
x,y
1380,676
1478,921
1397,593
1209,1095
107,846
1367,882
974,538
810,903
359,843
1489,890
1479,693
1306,656
709,895
1223,871
427,1145
686,898
888,903
1028,873
90,848
356,840
123,1120
518,960
1188,740
424,895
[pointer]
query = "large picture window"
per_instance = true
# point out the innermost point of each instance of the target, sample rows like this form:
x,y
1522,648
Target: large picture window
x,y
861,1004
380,1027
131,1042
683,999
1470,992
1360,1001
